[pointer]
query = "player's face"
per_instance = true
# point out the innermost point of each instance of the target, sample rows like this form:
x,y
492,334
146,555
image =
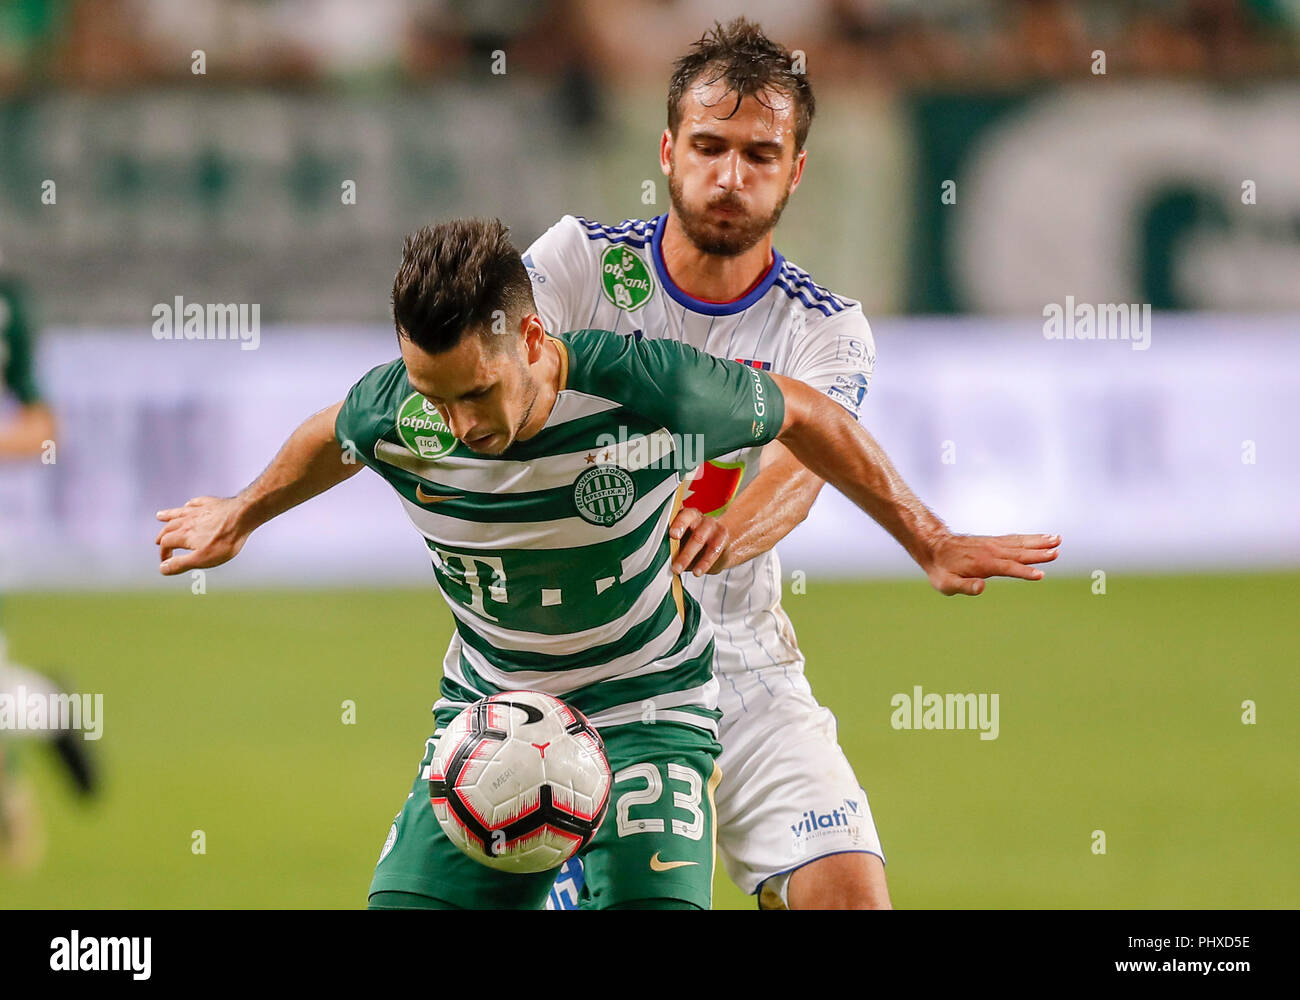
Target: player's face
x,y
483,387
730,175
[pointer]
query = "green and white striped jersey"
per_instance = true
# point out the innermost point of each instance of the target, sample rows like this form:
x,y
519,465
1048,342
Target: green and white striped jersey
x,y
554,556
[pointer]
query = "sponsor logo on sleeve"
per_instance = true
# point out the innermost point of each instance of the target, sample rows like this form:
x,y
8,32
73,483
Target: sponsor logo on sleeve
x,y
849,391
760,406
855,350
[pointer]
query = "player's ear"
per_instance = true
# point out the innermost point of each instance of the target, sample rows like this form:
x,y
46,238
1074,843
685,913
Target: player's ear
x,y
797,173
534,334
666,152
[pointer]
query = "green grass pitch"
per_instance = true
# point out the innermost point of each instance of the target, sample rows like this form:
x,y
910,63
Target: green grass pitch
x,y
1119,712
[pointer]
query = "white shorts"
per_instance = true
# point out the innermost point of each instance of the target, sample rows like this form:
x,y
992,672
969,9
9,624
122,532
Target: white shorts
x,y
788,794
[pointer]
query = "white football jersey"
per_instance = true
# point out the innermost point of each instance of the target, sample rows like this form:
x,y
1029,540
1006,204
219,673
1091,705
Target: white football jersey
x,y
590,276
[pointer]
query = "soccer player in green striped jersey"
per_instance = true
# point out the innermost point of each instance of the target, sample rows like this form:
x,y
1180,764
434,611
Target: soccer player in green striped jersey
x,y
26,431
544,473
26,427
25,423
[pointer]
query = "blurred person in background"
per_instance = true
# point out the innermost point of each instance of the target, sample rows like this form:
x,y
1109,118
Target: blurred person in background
x,y
26,432
584,45
554,40
29,31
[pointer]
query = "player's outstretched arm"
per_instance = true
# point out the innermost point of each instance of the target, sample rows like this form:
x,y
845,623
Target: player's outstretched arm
x,y
827,439
214,529
25,435
774,503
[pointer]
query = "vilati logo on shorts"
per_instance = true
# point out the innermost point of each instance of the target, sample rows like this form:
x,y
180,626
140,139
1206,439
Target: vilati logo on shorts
x,y
604,495
816,824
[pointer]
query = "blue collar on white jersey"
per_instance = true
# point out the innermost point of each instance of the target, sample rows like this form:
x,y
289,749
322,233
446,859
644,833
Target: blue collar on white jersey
x,y
699,305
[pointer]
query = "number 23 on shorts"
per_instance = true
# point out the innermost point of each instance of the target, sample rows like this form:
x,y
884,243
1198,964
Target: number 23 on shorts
x,y
658,839
647,804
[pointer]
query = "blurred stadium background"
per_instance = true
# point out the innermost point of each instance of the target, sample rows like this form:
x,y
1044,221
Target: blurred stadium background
x,y
1169,180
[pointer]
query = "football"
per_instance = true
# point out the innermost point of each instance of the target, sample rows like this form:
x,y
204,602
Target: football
x,y
519,781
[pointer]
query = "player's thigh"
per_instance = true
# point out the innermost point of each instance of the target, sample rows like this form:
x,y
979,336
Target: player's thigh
x,y
418,859
788,795
658,839
853,880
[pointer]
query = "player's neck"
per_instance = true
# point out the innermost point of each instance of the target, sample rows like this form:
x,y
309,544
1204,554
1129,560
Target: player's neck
x,y
708,276
550,372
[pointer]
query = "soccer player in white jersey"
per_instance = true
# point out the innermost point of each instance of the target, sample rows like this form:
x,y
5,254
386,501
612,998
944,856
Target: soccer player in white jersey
x,y
795,827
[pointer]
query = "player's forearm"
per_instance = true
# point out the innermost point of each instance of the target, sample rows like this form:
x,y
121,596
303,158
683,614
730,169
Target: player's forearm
x,y
27,433
309,463
826,439
774,503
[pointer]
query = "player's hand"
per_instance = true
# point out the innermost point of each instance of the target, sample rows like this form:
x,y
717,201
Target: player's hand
x,y
702,540
210,528
961,563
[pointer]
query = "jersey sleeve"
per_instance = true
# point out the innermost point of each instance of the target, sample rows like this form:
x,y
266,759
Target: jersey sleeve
x,y
367,410
837,357
559,266
728,405
18,372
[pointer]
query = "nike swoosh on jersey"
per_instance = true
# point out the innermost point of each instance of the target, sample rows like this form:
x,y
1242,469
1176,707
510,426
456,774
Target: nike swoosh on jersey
x,y
666,866
431,497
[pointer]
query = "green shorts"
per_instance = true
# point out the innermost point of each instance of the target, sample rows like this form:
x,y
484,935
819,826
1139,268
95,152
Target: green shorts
x,y
657,840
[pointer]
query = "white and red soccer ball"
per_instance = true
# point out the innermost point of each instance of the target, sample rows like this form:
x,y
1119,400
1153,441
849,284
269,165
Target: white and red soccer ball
x,y
519,781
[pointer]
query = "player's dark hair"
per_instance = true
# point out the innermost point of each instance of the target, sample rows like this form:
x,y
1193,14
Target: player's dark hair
x,y
453,278
750,63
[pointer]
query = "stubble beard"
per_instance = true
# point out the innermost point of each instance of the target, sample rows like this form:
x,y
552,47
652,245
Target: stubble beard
x,y
530,383
741,234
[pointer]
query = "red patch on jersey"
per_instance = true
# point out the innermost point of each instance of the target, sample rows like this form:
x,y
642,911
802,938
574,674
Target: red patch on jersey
x,y
713,487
